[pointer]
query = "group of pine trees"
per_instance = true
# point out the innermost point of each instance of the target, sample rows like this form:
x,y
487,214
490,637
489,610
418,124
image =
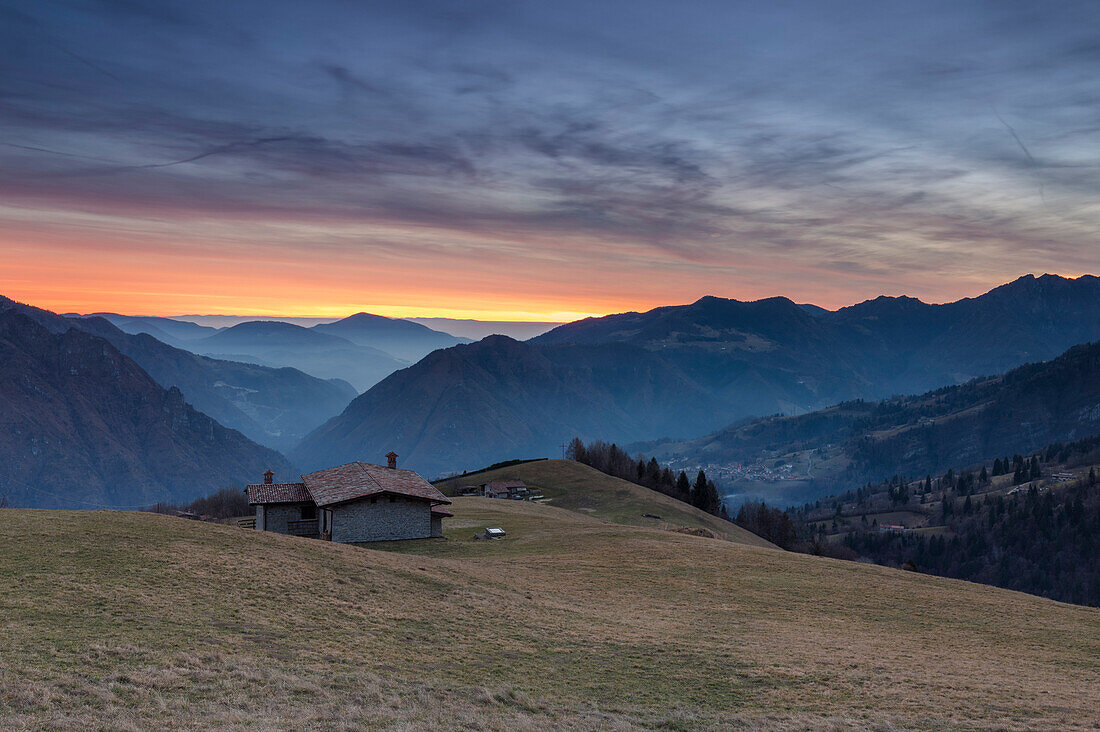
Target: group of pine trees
x,y
1023,470
1045,543
770,523
614,461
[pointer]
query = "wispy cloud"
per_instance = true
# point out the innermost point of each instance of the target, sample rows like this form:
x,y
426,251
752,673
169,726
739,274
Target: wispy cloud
x,y
727,148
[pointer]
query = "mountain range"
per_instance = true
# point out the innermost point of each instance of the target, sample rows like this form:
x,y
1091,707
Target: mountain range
x,y
166,330
85,426
692,369
273,343
272,406
475,330
361,349
1027,408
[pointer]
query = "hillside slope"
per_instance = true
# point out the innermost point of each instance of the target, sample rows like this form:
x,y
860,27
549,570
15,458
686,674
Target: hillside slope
x,y
471,405
135,620
576,487
847,444
82,425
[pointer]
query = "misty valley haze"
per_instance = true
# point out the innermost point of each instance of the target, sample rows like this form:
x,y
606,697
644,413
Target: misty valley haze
x,y
677,372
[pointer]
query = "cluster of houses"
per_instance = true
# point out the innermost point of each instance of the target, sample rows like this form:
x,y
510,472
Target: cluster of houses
x,y
516,490
352,503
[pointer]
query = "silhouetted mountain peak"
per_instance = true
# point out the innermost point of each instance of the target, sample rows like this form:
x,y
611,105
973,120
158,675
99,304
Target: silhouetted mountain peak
x,y
363,317
403,339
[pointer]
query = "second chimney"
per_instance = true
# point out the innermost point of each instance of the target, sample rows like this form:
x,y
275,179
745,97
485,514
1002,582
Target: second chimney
x,y
269,477
392,458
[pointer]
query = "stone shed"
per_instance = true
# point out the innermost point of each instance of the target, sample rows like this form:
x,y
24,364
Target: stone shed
x,y
351,503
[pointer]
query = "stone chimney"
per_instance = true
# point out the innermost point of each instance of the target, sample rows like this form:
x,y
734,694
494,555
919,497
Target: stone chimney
x,y
269,477
391,456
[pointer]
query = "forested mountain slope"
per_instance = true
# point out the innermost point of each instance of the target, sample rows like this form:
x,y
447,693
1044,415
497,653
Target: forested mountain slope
x,y
272,406
853,442
83,426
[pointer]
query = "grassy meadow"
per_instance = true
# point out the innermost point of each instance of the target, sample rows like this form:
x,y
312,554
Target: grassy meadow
x,y
576,487
137,621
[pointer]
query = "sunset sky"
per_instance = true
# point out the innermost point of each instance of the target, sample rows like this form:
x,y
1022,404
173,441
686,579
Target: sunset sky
x,y
540,160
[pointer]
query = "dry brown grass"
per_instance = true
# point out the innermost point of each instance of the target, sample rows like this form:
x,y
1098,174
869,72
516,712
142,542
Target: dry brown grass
x,y
138,621
577,487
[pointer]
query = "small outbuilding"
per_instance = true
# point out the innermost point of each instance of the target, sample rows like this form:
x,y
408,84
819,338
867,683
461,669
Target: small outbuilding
x,y
493,534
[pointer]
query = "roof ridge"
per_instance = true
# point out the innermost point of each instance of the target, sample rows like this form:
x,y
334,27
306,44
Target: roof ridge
x,y
362,466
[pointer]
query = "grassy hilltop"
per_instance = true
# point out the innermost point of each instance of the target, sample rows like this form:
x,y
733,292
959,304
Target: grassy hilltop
x,y
136,621
577,487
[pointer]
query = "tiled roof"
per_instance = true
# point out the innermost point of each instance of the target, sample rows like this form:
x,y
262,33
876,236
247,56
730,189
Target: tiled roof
x,y
356,480
440,511
277,493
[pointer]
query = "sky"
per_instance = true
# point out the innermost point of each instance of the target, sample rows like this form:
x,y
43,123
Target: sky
x,y
540,160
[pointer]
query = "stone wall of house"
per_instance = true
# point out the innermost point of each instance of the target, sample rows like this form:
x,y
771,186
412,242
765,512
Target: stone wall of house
x,y
277,514
380,519
437,525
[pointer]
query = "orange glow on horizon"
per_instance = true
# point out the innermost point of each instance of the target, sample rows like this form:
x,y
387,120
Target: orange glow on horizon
x,y
86,262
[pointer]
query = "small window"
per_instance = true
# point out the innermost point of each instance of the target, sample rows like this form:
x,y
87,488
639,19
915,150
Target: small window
x,y
309,513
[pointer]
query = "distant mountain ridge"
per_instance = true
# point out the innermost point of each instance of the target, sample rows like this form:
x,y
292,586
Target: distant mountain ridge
x,y
314,352
166,330
691,369
475,330
83,426
272,406
895,344
404,339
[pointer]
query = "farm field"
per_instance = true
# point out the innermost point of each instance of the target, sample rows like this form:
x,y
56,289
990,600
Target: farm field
x,y
137,621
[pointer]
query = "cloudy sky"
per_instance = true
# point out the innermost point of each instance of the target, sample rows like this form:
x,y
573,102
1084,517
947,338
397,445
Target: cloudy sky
x,y
540,159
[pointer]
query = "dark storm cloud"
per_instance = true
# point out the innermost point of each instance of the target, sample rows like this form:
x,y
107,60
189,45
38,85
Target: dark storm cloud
x,y
859,136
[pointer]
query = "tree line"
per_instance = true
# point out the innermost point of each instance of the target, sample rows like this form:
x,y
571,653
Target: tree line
x,y
766,522
1045,543
616,462
222,504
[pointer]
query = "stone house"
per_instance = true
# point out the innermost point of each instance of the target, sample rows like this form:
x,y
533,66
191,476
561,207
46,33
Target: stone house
x,y
504,489
356,502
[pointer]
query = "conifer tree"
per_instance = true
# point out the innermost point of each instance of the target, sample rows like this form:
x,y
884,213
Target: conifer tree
x,y
683,485
699,491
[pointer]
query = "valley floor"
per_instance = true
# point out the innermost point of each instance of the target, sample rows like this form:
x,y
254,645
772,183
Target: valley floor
x,y
139,621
